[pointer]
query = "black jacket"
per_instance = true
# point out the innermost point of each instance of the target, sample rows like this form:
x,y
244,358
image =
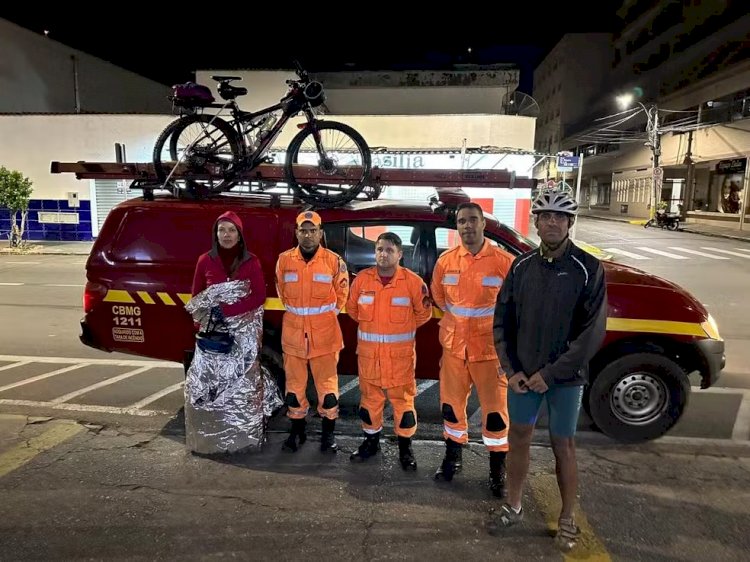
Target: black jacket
x,y
551,316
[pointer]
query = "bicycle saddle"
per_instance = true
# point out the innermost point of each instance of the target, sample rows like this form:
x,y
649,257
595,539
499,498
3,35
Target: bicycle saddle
x,y
228,92
226,78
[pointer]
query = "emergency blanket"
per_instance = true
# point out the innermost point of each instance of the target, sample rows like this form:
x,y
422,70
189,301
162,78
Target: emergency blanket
x,y
228,396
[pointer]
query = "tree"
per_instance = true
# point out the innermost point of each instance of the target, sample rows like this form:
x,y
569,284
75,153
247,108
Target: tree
x,y
15,192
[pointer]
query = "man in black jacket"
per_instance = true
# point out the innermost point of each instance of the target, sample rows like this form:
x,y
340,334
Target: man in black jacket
x,y
550,320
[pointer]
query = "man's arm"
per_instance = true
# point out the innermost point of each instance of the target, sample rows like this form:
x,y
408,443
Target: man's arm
x,y
505,328
352,308
279,280
436,287
593,328
341,284
420,300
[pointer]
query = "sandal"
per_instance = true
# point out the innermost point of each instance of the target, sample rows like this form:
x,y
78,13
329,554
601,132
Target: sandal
x,y
567,534
508,516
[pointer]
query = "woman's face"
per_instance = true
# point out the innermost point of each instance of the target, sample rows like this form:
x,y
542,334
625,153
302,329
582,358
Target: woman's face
x,y
227,234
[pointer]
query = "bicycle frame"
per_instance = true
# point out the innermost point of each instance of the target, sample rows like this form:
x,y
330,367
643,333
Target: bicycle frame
x,y
242,123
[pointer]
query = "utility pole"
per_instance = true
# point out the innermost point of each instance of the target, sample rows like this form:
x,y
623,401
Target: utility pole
x,y
654,142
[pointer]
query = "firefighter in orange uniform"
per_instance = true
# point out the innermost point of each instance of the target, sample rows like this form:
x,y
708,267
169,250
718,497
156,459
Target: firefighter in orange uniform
x,y
465,284
389,302
313,284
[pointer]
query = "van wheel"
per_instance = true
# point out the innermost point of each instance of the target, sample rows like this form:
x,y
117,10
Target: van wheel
x,y
638,397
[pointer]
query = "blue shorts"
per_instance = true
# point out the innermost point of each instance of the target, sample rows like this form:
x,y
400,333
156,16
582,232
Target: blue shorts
x,y
563,403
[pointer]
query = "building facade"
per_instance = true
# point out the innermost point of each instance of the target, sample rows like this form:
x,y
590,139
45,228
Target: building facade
x,y
41,75
690,64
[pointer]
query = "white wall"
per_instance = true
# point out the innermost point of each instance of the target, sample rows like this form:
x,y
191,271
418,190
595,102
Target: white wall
x,y
38,75
28,143
381,93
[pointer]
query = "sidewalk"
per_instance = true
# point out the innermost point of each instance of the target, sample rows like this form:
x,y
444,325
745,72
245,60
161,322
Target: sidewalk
x,y
705,229
55,247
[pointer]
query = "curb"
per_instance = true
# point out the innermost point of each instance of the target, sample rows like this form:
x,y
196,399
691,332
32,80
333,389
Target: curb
x,y
716,234
641,222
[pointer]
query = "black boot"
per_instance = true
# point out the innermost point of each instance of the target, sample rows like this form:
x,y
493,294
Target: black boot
x,y
405,454
369,447
327,442
451,463
497,473
297,436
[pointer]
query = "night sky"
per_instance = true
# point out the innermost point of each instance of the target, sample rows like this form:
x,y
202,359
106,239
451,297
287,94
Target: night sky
x,y
169,46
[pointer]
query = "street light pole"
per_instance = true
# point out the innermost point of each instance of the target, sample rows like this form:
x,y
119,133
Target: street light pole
x,y
654,142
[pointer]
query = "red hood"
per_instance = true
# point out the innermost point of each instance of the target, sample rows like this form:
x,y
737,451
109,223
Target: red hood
x,y
648,296
232,217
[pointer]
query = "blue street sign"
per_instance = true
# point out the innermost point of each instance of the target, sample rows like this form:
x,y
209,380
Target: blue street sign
x,y
568,161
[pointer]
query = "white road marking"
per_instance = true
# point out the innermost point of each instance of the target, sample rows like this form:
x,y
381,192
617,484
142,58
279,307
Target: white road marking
x,y
729,252
11,284
662,253
85,408
14,365
41,377
155,396
69,360
742,249
23,262
697,253
425,385
741,429
61,285
354,383
113,380
626,253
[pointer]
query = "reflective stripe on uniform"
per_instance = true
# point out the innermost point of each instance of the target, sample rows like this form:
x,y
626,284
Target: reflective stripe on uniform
x,y
322,277
385,338
311,310
490,442
471,312
491,281
453,432
401,301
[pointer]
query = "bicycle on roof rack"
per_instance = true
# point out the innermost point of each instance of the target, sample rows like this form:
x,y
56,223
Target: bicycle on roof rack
x,y
200,154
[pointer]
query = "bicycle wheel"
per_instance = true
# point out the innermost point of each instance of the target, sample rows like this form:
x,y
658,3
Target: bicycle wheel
x,y
205,146
345,161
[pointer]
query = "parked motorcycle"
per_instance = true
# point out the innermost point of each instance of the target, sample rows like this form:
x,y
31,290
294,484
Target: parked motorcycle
x,y
663,219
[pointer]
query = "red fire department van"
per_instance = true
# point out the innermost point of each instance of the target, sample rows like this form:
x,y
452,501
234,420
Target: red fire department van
x,y
140,270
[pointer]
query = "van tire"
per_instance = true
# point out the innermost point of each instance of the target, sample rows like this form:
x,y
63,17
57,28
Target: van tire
x,y
638,397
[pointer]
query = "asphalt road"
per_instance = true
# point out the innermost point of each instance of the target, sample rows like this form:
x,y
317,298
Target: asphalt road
x,y
75,492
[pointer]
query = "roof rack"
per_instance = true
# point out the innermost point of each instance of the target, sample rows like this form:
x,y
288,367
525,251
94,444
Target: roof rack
x,y
447,183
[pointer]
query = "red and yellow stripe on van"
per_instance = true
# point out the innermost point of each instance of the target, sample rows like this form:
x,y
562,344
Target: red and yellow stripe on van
x,y
700,330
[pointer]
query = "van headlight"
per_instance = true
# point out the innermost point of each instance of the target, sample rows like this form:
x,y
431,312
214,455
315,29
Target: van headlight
x,y
711,328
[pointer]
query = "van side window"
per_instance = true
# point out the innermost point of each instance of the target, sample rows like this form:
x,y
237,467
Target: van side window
x,y
356,243
447,238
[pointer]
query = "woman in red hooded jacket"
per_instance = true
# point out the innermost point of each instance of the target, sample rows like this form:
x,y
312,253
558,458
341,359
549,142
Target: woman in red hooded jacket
x,y
229,260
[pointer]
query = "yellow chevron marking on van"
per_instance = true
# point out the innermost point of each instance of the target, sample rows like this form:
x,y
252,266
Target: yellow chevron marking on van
x,y
655,326
273,303
184,297
166,299
114,295
146,297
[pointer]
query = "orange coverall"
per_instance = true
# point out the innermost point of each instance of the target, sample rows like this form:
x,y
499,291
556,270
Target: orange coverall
x,y
313,294
466,287
388,317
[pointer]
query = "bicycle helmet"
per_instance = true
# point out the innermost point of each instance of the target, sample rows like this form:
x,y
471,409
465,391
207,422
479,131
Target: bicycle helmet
x,y
556,201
